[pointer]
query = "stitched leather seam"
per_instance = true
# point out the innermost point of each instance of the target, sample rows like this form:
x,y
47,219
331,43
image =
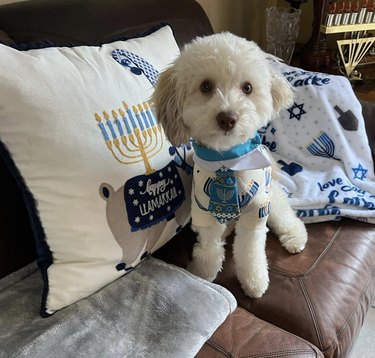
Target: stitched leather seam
x,y
340,331
219,348
313,266
251,338
291,334
289,353
312,312
231,330
323,253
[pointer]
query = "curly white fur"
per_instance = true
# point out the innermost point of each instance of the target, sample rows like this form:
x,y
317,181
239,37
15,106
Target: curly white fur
x,y
212,76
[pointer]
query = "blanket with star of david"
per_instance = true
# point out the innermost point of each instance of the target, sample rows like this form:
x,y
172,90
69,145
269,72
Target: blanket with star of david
x,y
320,145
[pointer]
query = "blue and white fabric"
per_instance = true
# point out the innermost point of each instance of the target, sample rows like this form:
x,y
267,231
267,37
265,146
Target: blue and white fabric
x,y
321,147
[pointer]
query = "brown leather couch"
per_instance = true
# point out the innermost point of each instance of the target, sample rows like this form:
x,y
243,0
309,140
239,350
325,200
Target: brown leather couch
x,y
317,300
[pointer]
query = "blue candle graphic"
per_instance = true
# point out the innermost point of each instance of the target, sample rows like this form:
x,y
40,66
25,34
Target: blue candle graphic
x,y
101,126
118,123
110,126
127,126
149,114
135,110
143,114
130,114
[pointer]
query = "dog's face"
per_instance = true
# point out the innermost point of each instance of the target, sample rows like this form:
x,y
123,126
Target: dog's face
x,y
219,91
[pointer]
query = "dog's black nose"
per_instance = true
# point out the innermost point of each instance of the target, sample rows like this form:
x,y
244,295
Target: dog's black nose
x,y
226,120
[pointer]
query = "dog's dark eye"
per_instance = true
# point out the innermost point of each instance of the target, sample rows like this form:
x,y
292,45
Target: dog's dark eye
x,y
206,87
246,88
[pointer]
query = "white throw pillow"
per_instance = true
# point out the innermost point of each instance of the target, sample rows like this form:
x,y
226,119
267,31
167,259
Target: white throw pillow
x,y
108,187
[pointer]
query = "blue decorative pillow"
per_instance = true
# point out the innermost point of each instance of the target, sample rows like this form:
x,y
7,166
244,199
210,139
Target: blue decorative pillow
x,y
107,186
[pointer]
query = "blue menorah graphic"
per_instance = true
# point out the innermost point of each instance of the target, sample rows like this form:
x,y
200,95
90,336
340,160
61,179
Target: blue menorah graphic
x,y
134,135
322,146
224,195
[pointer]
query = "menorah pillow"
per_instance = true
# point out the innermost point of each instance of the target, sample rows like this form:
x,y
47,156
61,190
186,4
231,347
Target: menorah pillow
x,y
104,187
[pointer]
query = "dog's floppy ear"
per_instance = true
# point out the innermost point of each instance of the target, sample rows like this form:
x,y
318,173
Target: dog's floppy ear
x,y
282,93
168,100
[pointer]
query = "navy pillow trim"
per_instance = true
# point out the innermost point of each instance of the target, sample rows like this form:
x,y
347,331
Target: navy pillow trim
x,y
38,45
44,253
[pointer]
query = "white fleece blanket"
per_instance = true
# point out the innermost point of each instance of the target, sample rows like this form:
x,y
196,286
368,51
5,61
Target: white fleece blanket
x,y
321,147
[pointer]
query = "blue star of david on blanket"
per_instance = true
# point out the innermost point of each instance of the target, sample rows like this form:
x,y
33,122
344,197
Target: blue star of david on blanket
x,y
360,172
300,111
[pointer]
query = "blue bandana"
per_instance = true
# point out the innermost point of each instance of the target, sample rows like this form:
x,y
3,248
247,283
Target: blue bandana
x,y
224,199
211,155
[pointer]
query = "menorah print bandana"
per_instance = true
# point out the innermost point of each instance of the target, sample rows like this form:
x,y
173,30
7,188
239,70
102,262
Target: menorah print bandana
x,y
226,196
321,146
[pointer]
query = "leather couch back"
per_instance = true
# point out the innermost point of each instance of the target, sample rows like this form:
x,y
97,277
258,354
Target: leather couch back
x,y
76,22
93,22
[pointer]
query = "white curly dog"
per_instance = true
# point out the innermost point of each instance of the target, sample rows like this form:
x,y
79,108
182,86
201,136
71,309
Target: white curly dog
x,y
220,91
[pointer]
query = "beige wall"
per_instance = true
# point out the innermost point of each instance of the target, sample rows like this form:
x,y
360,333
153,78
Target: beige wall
x,y
247,17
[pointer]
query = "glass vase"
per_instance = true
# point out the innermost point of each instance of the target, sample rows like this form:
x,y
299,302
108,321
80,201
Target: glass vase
x,y
282,28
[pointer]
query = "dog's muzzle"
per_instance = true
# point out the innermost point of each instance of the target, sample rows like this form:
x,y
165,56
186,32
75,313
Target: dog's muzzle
x,y
226,120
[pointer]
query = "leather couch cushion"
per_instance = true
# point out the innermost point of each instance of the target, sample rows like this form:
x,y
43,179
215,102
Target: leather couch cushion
x,y
244,335
321,294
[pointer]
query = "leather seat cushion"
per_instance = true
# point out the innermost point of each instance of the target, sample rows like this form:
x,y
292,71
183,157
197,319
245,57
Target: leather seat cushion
x,y
321,294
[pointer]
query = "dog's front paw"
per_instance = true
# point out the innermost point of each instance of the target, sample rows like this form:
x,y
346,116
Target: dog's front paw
x,y
203,271
207,260
295,239
255,288
254,280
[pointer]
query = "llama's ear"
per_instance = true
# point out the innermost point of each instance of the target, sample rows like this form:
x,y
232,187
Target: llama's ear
x,y
168,99
282,93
